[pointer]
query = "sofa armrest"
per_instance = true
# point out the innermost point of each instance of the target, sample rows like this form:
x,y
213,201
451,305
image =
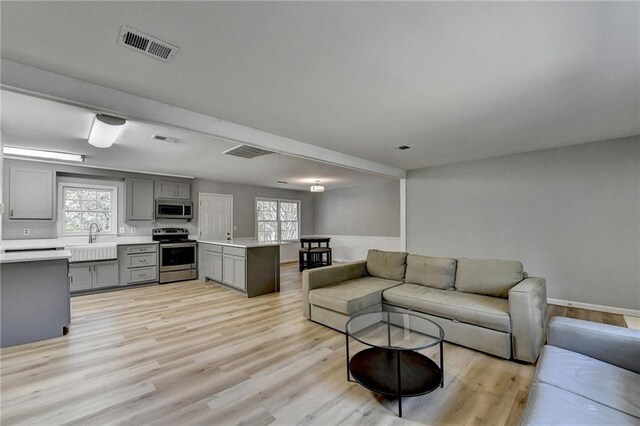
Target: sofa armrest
x,y
528,312
321,277
609,343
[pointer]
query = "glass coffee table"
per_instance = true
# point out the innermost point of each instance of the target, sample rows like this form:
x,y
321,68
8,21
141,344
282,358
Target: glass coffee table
x,y
392,365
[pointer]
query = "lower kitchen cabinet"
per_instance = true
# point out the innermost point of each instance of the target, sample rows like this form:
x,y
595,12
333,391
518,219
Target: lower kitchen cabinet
x,y
233,271
138,263
210,262
93,275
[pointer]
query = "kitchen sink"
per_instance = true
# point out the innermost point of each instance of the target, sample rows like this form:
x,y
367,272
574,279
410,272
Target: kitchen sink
x,y
91,252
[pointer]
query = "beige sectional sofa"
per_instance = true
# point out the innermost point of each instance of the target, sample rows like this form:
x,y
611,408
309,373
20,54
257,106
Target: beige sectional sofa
x,y
488,305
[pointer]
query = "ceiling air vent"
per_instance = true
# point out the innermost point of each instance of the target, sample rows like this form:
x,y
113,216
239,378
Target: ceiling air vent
x,y
246,151
146,44
165,138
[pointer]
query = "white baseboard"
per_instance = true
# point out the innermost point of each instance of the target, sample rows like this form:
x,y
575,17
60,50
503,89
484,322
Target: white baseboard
x,y
288,260
592,307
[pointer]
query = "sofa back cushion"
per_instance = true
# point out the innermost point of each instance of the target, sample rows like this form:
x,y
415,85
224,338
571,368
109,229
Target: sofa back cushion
x,y
488,277
390,265
436,272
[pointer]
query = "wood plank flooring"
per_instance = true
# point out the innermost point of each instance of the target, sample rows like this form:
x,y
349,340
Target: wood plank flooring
x,y
197,353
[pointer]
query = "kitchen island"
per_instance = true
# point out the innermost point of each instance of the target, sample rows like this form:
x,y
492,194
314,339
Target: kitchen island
x,y
34,296
246,265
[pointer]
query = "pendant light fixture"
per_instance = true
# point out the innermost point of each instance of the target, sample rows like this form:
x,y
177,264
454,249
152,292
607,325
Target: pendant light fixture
x,y
317,187
105,130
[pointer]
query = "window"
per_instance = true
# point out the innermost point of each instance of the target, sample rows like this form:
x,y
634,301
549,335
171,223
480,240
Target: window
x,y
83,204
277,219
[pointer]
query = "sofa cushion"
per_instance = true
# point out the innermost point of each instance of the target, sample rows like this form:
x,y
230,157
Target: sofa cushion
x,y
389,265
436,272
489,312
593,379
349,297
488,277
549,405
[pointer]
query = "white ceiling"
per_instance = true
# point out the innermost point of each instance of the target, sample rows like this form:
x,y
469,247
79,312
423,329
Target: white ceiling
x,y
37,123
457,81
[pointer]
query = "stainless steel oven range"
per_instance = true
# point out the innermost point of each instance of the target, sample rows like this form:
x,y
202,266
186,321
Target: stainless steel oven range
x,y
178,260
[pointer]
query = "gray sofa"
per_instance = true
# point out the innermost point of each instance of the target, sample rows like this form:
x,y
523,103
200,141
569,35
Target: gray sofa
x,y
488,305
588,374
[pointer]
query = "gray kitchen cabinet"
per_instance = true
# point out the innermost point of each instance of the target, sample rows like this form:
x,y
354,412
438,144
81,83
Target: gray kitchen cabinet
x,y
31,194
81,276
210,263
139,202
233,271
105,274
93,275
138,264
217,267
179,190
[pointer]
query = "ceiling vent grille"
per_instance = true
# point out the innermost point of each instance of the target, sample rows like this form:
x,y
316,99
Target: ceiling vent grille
x,y
246,151
146,44
165,138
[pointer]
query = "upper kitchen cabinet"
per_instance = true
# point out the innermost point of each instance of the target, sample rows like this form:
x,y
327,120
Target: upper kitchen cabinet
x,y
31,194
139,199
179,190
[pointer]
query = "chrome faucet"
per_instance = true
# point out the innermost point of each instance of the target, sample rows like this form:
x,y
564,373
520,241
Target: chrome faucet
x,y
92,237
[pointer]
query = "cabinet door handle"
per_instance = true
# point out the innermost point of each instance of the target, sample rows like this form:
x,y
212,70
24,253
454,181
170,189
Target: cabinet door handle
x,y
143,260
11,213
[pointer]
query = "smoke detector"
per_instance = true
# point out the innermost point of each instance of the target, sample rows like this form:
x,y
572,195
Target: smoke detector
x,y
143,43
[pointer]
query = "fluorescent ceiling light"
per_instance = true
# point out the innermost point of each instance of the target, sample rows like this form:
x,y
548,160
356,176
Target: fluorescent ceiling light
x,y
317,187
105,130
38,153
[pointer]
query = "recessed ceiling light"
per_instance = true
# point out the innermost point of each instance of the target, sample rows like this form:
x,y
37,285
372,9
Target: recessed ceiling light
x,y
38,153
403,147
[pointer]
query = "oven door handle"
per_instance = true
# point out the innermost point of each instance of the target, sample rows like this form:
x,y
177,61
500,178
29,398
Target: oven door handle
x,y
178,245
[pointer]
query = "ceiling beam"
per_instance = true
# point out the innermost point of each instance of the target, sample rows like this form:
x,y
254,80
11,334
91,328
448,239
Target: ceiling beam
x,y
38,82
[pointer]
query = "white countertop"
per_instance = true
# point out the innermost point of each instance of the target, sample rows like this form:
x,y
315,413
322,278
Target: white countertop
x,y
246,242
60,243
34,256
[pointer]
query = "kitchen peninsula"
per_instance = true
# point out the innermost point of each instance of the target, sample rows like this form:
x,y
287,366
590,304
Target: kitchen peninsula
x,y
34,296
249,266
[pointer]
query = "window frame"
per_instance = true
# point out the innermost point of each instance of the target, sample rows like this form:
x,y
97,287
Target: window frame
x,y
278,226
79,185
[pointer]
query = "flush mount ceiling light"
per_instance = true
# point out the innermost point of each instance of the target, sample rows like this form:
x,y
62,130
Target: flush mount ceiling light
x,y
317,187
38,153
105,130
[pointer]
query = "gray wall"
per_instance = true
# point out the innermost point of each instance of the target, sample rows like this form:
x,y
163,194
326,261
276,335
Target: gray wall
x,y
12,229
243,197
244,204
368,210
571,215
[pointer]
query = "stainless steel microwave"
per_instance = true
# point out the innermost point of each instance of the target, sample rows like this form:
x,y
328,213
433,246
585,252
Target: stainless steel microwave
x,y
174,209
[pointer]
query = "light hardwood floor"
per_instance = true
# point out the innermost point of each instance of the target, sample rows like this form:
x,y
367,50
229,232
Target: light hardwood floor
x,y
196,353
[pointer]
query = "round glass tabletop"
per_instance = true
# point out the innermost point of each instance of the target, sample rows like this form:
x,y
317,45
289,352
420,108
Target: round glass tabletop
x,y
394,330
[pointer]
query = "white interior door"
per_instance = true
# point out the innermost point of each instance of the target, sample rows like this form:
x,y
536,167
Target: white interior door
x,y
215,216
